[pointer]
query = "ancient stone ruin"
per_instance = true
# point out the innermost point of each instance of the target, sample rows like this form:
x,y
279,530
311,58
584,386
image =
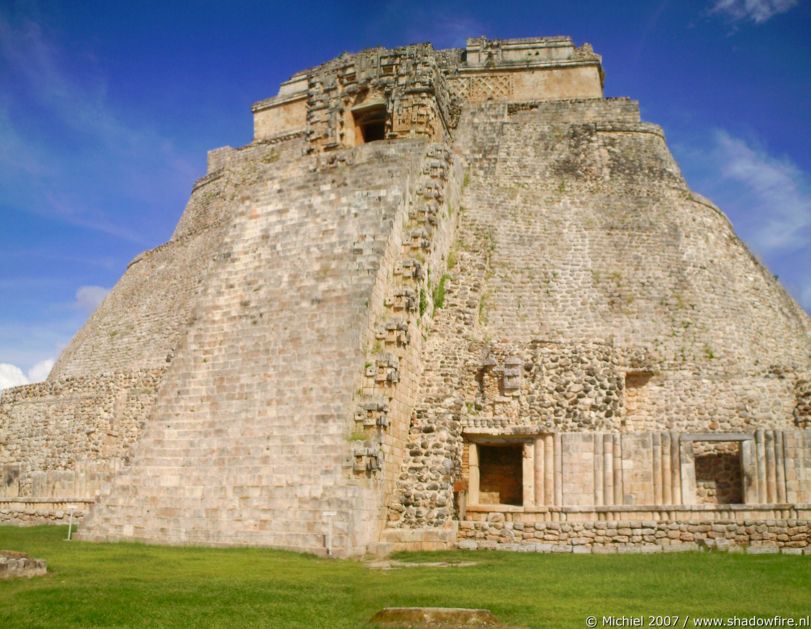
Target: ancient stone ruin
x,y
444,298
17,565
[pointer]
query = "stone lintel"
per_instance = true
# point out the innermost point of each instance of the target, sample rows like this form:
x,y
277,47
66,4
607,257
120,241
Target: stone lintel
x,y
717,436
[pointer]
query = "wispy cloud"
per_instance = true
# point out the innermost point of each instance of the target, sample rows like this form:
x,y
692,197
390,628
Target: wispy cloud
x,y
412,23
26,343
446,30
24,254
780,193
88,298
767,197
66,152
81,105
757,11
15,152
79,214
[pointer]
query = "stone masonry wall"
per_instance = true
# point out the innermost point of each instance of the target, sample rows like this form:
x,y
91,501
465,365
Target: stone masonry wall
x,y
406,80
402,313
34,511
251,439
145,317
582,258
593,469
788,536
65,438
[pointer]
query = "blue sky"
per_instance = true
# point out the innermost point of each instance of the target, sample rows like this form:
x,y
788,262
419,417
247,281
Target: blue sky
x,y
107,110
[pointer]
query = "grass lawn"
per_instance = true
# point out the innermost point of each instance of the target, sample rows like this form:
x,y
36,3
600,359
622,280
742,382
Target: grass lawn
x,y
132,585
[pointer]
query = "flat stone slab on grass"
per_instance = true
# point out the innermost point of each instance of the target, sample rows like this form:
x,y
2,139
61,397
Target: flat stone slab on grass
x,y
393,564
446,617
14,564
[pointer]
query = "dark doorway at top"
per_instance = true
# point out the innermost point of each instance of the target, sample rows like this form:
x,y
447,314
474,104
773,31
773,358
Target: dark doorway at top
x,y
371,123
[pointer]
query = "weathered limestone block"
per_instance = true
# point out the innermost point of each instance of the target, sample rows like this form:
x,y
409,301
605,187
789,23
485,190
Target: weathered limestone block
x,y
16,565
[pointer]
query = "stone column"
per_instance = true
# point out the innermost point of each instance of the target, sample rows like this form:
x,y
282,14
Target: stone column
x,y
790,460
780,466
760,455
540,483
803,465
608,469
688,473
617,456
549,469
749,470
771,480
473,473
656,458
675,468
528,475
558,470
667,489
798,479
598,469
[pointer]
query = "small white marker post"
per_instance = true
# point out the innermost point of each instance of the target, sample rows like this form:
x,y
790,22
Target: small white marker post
x,y
70,525
329,515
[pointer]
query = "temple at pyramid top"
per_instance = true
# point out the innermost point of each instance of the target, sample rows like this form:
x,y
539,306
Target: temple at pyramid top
x,y
418,91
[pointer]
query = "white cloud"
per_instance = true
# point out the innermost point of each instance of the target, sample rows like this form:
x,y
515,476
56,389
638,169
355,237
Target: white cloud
x,y
40,371
766,196
11,376
780,193
88,298
81,106
756,10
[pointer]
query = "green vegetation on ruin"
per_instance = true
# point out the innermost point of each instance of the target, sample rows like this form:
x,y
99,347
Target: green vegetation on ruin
x,y
132,585
439,292
453,258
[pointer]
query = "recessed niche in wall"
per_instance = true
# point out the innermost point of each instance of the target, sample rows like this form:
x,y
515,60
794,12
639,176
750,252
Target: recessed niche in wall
x,y
501,474
636,389
718,472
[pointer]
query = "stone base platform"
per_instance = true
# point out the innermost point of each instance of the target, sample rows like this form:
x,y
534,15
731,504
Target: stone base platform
x,y
35,511
446,617
396,540
789,536
14,564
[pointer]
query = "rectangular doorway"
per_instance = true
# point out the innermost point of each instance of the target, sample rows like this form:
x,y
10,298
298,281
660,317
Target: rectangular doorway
x,y
501,474
719,478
